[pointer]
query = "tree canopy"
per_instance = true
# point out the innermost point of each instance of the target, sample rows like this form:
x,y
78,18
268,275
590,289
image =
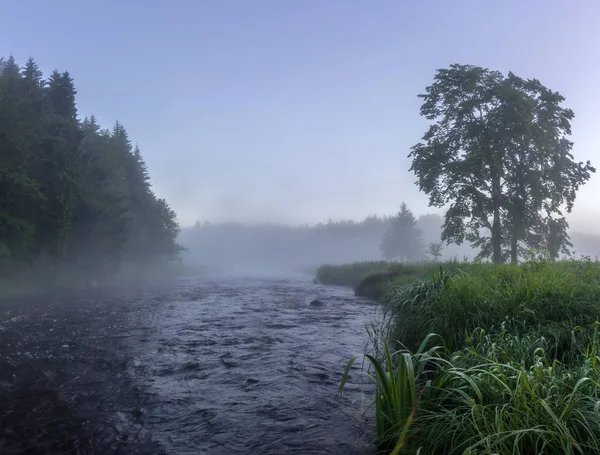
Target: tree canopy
x,y
72,193
498,155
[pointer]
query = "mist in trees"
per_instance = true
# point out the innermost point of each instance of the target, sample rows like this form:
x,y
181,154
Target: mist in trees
x,y
498,155
74,195
403,238
434,250
273,248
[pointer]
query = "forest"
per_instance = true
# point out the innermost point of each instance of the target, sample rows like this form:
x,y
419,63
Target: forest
x,y
225,246
76,198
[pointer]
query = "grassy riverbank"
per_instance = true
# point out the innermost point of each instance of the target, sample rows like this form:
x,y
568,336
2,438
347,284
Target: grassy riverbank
x,y
352,274
514,352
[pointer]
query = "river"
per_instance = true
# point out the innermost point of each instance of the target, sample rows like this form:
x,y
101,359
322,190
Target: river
x,y
218,365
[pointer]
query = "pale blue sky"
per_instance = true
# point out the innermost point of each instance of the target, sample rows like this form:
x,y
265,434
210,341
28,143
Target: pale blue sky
x,y
299,110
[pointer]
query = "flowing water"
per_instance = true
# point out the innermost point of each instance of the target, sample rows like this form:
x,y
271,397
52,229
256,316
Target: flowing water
x,y
248,366
210,366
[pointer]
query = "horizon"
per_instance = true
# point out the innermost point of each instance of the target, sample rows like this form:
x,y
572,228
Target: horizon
x,y
579,229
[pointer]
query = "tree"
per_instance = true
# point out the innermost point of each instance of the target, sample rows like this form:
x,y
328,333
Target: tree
x,y
72,193
60,172
551,238
435,250
498,155
403,237
20,192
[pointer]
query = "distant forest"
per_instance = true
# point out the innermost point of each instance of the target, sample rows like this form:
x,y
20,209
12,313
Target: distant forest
x,y
75,196
272,247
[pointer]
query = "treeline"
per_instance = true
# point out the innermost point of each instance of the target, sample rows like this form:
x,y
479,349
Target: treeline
x,y
73,194
276,246
291,247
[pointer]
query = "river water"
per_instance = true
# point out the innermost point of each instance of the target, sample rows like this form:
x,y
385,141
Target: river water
x,y
210,366
247,366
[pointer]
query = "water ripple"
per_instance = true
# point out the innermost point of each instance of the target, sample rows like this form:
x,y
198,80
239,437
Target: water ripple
x,y
247,366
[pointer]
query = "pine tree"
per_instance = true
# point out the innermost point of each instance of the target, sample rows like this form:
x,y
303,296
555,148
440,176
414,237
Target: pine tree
x,y
61,173
403,237
72,192
20,193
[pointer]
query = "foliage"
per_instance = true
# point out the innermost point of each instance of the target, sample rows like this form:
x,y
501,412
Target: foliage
x,y
73,195
495,297
498,153
519,371
489,399
403,237
352,274
397,393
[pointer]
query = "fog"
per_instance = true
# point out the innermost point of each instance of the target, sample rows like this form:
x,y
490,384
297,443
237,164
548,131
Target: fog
x,y
291,113
267,119
263,248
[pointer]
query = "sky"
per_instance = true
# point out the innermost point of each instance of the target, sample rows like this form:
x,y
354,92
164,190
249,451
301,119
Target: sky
x,y
299,111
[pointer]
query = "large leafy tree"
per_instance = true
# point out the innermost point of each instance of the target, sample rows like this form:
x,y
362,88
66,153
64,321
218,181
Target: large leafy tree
x,y
403,237
498,155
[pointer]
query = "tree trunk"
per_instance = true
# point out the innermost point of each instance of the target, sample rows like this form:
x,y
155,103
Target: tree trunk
x,y
496,238
496,227
514,255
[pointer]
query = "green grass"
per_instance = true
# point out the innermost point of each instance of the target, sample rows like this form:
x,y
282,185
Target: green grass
x,y
506,394
517,369
397,395
537,296
352,274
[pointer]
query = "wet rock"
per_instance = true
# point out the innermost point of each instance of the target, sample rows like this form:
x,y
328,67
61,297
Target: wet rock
x,y
317,304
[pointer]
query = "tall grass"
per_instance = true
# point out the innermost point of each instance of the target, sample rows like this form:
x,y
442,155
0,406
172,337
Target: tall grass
x,y
352,274
397,393
539,296
506,395
518,369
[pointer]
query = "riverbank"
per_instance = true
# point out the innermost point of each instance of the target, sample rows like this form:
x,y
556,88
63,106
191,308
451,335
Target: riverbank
x,y
513,353
351,275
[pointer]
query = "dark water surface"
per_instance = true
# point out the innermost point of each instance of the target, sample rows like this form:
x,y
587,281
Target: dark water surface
x,y
214,366
246,366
